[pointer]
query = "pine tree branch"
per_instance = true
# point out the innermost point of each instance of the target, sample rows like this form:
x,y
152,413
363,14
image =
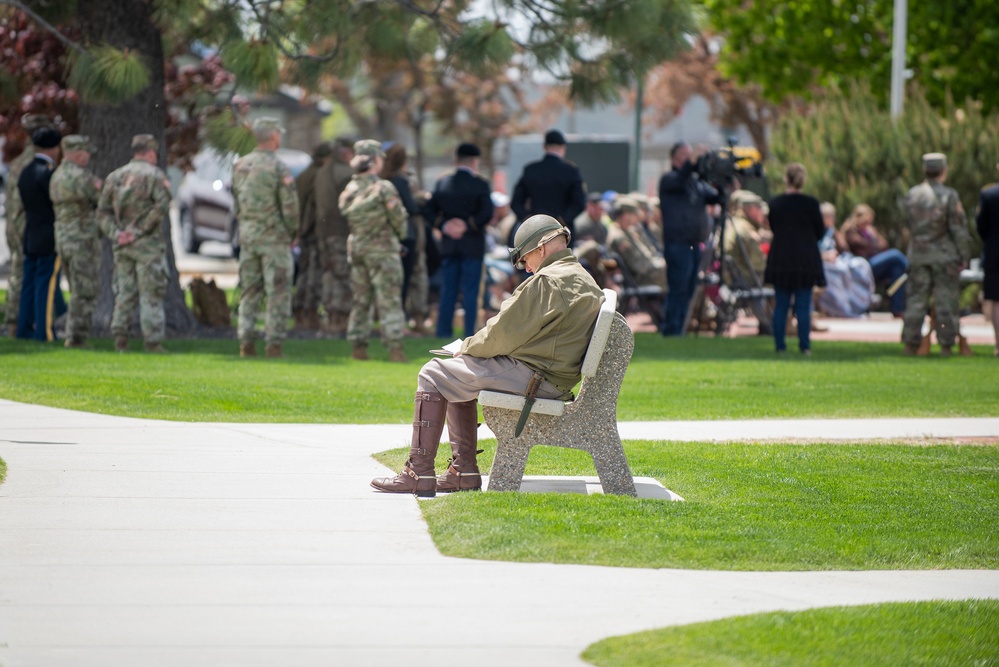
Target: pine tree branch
x,y
279,38
45,24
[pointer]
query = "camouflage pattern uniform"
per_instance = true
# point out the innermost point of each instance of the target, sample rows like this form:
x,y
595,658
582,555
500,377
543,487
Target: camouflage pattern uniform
x,y
418,294
267,208
332,230
639,257
377,223
939,243
308,285
75,194
136,198
742,246
16,219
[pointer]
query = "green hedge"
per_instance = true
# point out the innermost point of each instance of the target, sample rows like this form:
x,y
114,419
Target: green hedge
x,y
855,153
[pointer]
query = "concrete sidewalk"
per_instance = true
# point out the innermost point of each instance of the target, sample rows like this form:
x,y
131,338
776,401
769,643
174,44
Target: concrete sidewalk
x,y
134,542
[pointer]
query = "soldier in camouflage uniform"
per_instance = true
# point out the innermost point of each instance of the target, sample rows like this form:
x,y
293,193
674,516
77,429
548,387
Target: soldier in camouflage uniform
x,y
15,219
939,244
308,284
625,239
267,207
133,204
377,225
75,192
332,231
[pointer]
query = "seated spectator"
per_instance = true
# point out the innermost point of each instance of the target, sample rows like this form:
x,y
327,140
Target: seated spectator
x,y
744,238
888,264
627,240
500,276
653,235
849,286
593,222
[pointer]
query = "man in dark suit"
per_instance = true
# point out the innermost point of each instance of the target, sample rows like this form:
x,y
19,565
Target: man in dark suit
x,y
41,298
987,222
551,186
460,206
682,201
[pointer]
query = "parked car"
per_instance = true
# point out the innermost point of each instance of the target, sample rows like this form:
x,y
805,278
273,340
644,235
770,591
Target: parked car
x,y
205,198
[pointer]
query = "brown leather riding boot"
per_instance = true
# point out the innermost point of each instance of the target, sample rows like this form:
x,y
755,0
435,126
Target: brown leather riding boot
x,y
462,427
418,475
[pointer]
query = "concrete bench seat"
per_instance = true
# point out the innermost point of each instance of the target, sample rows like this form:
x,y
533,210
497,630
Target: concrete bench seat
x,y
587,423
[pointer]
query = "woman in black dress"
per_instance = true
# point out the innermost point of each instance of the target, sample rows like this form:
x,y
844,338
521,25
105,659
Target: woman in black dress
x,y
794,265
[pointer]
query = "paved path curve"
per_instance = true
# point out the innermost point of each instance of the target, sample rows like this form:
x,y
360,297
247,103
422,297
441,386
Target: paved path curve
x,y
136,542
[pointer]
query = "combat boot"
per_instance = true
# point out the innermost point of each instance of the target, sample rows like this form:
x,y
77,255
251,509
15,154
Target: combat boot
x,y
360,352
911,349
76,343
419,327
247,349
312,320
463,470
155,348
121,343
945,351
396,354
299,320
273,351
417,477
336,324
963,348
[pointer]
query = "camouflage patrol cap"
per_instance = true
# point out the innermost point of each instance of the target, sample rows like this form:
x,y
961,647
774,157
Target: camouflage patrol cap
x,y
267,124
625,204
934,161
32,121
144,142
741,198
368,147
77,142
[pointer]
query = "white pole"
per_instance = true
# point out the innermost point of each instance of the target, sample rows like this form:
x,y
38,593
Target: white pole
x,y
898,57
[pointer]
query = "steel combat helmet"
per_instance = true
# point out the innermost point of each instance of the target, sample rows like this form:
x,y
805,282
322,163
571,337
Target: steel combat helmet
x,y
534,233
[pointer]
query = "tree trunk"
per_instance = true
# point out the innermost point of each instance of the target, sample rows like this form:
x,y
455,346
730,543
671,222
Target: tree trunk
x,y
128,24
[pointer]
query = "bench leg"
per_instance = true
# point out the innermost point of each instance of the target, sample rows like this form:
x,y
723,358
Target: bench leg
x,y
612,467
508,466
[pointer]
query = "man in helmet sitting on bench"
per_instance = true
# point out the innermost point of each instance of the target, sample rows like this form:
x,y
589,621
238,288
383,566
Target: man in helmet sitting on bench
x,y
543,328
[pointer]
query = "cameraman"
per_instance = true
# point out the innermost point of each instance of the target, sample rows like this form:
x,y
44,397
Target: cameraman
x,y
682,199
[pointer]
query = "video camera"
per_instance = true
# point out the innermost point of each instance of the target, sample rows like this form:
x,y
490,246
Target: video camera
x,y
720,166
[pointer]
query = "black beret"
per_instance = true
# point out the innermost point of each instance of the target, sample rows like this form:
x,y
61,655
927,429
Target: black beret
x,y
468,150
46,137
554,138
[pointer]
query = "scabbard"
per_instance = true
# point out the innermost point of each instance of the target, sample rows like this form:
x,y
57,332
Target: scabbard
x,y
532,391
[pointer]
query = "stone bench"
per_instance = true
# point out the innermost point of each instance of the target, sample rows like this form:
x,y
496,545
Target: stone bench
x,y
588,423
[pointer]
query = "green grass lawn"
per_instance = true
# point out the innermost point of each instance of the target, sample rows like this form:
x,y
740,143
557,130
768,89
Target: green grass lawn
x,y
911,633
748,507
691,378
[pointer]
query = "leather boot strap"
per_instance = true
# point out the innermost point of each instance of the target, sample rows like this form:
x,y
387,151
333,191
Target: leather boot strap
x,y
457,473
